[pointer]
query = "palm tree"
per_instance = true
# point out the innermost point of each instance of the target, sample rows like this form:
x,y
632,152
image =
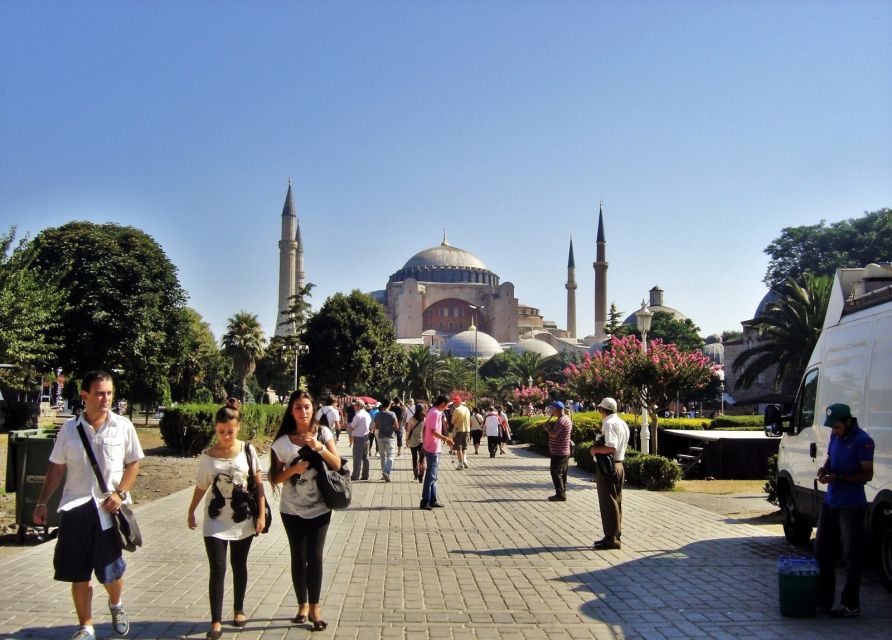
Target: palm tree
x,y
532,365
424,372
244,342
789,330
458,374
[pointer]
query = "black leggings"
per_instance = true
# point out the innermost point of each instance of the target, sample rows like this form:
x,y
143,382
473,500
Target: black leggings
x,y
307,540
238,559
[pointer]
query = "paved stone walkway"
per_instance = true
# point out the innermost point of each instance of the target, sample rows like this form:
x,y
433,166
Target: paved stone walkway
x,y
498,562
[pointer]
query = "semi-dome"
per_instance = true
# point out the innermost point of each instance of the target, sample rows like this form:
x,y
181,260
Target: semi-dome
x,y
533,345
445,263
461,345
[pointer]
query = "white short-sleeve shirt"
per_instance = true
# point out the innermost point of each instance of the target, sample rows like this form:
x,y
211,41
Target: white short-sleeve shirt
x,y
115,444
227,515
616,435
300,494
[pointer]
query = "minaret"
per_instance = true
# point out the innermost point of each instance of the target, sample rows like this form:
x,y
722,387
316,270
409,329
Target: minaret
x,y
289,250
600,266
571,292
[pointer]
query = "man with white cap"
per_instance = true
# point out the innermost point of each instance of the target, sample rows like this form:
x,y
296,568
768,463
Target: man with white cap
x,y
613,441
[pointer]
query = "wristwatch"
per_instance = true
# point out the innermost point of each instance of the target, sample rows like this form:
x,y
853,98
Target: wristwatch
x,y
122,495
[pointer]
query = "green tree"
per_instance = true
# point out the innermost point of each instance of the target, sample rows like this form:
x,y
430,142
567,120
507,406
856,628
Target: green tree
x,y
123,307
244,342
614,320
819,249
275,369
199,361
531,365
664,326
351,346
29,309
458,375
789,330
424,372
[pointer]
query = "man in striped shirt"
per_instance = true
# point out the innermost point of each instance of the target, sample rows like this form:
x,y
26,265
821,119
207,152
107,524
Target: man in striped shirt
x,y
559,428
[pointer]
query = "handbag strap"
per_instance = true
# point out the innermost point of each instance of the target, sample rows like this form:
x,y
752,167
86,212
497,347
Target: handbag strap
x,y
249,454
92,456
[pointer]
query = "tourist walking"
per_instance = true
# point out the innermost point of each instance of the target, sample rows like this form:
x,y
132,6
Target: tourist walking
x,y
848,467
610,475
492,427
559,428
305,516
461,430
434,426
228,524
505,433
330,410
476,428
86,542
401,414
359,440
414,440
384,428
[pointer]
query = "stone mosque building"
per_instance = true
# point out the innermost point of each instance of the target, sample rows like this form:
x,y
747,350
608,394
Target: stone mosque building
x,y
446,298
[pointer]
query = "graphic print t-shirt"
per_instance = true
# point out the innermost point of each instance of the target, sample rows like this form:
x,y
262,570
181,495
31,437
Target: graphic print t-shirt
x,y
227,515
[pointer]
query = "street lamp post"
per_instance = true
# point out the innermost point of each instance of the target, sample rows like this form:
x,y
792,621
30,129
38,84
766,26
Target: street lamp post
x,y
642,318
721,375
475,309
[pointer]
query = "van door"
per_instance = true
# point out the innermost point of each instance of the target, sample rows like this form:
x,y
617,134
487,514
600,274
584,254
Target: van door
x,y
799,449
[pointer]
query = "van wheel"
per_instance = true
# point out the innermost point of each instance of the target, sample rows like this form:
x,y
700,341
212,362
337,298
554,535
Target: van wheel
x,y
796,530
886,554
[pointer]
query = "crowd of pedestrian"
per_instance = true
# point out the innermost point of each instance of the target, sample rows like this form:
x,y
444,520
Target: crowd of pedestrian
x,y
305,445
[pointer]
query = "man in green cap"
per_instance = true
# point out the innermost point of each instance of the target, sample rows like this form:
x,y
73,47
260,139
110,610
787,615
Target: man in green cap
x,y
848,467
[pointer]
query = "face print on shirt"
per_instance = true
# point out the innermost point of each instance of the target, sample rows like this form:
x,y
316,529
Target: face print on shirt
x,y
226,492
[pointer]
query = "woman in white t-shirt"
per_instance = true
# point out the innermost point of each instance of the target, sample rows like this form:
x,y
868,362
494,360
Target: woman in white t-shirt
x,y
305,515
222,479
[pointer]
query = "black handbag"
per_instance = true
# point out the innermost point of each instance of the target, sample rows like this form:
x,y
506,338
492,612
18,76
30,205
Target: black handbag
x,y
253,496
125,527
336,487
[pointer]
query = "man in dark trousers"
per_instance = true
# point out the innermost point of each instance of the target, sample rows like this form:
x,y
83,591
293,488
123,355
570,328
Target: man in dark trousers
x,y
848,467
613,442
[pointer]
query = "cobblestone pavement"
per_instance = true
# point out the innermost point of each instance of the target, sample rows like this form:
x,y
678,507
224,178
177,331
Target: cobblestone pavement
x,y
499,562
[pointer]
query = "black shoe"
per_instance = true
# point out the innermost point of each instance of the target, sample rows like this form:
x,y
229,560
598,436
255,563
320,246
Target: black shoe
x,y
557,498
605,545
437,505
846,612
424,505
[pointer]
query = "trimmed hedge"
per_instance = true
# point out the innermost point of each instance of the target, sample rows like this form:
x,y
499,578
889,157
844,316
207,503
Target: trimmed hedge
x,y
189,428
654,473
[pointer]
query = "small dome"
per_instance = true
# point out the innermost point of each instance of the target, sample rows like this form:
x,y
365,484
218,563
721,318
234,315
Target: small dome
x,y
770,297
533,345
675,313
713,339
461,345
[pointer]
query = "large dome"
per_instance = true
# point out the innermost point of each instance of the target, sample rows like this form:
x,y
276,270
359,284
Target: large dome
x,y
445,263
461,345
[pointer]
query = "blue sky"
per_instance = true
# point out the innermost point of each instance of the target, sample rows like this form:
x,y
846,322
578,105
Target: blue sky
x,y
705,127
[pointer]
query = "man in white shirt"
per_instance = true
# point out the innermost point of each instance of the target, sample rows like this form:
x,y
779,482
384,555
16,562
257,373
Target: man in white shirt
x,y
615,434
86,542
359,439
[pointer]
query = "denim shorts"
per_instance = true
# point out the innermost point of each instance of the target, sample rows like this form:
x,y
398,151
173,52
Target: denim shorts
x,y
84,548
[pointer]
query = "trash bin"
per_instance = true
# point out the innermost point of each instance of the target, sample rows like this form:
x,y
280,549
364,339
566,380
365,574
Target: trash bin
x,y
797,581
27,462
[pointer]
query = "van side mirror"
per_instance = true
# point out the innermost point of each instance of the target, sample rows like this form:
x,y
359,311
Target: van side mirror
x,y
774,421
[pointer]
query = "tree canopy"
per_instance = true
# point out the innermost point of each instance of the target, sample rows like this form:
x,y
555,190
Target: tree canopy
x,y
351,346
684,334
29,309
123,307
820,249
245,343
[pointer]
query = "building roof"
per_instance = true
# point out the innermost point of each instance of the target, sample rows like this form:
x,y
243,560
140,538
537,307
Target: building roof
x,y
445,263
461,345
527,345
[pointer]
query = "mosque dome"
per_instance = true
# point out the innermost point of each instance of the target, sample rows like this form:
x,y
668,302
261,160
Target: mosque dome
x,y
461,345
532,345
769,298
656,304
445,263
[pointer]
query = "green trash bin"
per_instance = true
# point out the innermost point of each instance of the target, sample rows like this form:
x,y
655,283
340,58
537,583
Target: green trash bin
x,y
27,462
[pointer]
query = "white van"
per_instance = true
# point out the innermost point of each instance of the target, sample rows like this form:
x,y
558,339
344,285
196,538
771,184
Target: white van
x,y
851,363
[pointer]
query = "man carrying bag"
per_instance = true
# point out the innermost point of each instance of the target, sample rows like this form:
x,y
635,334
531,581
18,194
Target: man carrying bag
x,y
87,541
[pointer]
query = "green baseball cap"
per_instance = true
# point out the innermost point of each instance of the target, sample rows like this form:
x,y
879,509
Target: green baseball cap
x,y
836,413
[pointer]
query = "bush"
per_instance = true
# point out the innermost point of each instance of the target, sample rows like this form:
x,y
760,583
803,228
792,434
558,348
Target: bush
x,y
654,473
584,460
189,428
771,480
734,422
20,415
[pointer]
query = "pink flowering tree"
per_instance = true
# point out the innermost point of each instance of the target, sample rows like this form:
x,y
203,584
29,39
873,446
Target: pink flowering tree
x,y
625,372
530,395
